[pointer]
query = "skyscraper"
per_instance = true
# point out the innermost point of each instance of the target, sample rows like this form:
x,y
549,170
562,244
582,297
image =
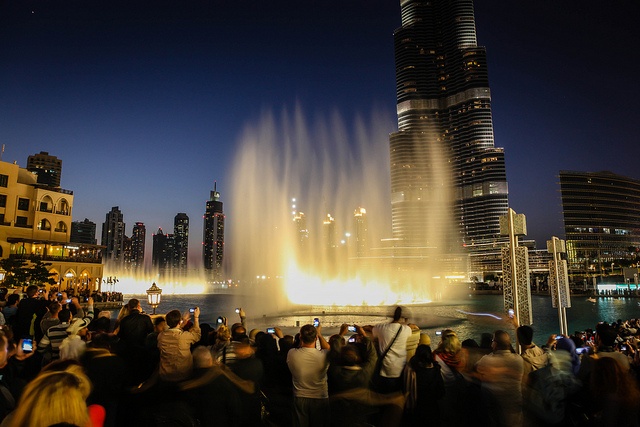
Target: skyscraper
x,y
213,235
601,220
181,233
113,235
447,178
138,236
47,167
83,232
159,251
361,231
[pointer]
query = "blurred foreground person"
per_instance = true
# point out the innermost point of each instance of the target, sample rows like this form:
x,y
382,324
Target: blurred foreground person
x,y
425,386
501,376
56,397
615,395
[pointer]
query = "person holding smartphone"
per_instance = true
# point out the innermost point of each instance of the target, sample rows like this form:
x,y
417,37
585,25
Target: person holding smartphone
x,y
176,361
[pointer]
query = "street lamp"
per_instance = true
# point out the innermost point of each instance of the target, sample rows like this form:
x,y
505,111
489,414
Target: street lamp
x,y
154,295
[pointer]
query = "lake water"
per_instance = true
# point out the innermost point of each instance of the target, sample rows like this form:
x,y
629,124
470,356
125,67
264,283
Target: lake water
x,y
469,316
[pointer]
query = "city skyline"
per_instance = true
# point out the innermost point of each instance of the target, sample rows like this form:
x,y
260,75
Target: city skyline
x,y
145,106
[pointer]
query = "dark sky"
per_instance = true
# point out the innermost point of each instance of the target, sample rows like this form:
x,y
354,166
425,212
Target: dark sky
x,y
145,101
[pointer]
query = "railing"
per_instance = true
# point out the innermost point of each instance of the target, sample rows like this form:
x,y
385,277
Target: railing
x,y
60,230
46,210
65,212
33,257
23,225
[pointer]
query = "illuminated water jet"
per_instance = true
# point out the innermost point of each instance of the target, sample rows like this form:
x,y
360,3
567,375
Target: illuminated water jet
x,y
311,204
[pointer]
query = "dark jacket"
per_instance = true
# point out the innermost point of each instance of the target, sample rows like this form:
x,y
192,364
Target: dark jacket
x,y
134,329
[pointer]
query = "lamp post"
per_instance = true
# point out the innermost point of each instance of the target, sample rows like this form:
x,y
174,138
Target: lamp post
x,y
154,296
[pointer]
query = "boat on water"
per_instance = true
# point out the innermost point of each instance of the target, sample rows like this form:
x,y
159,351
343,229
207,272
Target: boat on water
x,y
592,299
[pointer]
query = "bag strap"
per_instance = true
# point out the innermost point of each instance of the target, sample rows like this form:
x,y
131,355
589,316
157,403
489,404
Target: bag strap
x,y
390,345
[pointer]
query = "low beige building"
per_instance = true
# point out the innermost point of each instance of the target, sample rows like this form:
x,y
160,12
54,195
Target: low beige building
x,y
35,224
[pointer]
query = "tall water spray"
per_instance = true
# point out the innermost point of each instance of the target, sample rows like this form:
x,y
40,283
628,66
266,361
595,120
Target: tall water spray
x,y
297,190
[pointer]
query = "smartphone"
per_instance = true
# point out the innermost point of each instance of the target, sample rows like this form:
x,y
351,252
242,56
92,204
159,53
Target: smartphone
x,y
271,330
237,310
220,320
69,300
511,313
192,310
623,348
27,345
352,339
316,322
558,337
351,328
59,294
581,350
438,333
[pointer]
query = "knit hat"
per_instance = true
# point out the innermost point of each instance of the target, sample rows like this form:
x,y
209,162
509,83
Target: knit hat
x,y
425,339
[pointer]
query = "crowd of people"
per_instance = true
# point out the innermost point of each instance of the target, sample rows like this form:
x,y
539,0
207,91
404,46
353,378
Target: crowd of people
x,y
61,364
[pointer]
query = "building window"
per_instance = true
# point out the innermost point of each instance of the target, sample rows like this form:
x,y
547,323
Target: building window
x,y
4,181
3,200
23,204
44,225
21,221
2,219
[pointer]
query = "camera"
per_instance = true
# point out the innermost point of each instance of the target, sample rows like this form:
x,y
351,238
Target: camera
x,y
220,320
271,330
316,322
192,310
27,345
438,333
351,328
237,310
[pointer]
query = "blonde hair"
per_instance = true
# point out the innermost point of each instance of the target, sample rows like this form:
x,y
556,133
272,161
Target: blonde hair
x,y
450,342
54,397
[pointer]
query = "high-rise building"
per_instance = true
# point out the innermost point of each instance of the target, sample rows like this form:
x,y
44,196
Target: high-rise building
x,y
138,236
159,253
113,235
361,232
181,233
329,232
48,168
601,219
447,177
83,232
213,236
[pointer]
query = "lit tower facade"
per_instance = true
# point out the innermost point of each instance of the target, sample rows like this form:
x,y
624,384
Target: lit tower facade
x,y
361,231
138,236
181,233
113,235
213,238
447,178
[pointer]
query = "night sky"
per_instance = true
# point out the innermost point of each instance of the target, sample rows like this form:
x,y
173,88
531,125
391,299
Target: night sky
x,y
145,101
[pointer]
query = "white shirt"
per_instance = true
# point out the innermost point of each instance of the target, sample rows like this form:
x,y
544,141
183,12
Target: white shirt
x,y
396,358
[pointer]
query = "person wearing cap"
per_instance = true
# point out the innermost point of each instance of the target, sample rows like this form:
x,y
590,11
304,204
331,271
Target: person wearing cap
x,y
52,339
